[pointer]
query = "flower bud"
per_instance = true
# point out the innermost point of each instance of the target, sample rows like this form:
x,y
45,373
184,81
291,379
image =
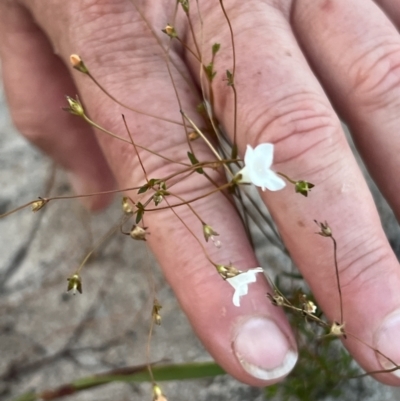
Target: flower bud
x,y
75,107
138,233
227,271
74,284
170,31
39,204
126,207
325,229
303,187
157,394
78,64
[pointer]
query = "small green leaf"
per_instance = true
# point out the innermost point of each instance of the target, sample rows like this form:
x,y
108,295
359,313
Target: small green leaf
x,y
147,186
229,75
139,213
143,189
194,161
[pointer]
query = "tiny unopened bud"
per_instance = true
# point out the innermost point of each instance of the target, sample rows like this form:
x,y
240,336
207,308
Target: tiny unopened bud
x,y
74,284
39,204
75,107
227,271
193,135
215,48
185,5
157,394
303,187
78,64
170,31
126,207
276,299
158,197
325,229
156,312
309,307
208,232
138,232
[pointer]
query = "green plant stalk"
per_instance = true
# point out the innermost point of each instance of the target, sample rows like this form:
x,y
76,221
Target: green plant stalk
x,y
161,373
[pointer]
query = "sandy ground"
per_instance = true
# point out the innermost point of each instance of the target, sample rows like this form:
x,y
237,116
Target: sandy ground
x,y
48,337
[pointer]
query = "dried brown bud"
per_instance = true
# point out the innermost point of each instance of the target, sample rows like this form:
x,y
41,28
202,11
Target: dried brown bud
x,y
325,229
156,312
170,31
138,232
126,207
74,284
193,135
39,204
227,271
337,329
276,299
75,107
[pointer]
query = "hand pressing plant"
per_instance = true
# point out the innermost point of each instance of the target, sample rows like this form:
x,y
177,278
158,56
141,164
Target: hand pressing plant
x,y
184,161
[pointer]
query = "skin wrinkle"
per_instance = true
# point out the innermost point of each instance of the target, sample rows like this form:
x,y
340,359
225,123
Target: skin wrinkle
x,y
301,139
375,91
357,282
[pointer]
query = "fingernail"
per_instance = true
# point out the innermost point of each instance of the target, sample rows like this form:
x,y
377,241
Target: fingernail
x,y
387,342
263,350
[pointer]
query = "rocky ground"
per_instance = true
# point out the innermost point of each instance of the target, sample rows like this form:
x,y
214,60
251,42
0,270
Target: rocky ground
x,y
48,337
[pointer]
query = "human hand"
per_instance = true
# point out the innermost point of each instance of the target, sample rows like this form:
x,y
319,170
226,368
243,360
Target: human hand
x,y
353,50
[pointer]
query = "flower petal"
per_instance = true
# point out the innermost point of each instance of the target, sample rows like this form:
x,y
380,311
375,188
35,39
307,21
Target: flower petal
x,y
236,299
249,155
265,151
240,283
272,182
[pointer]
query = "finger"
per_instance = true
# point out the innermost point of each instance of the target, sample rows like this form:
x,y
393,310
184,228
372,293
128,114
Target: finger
x,y
363,82
286,105
365,86
36,82
254,342
392,10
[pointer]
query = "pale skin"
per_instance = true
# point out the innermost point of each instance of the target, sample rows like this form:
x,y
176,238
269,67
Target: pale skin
x,y
291,55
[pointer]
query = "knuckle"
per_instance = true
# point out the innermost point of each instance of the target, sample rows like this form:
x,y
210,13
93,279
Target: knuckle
x,y
297,125
376,76
359,268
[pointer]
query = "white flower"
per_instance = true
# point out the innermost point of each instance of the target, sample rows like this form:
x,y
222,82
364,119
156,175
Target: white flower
x,y
241,281
257,168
